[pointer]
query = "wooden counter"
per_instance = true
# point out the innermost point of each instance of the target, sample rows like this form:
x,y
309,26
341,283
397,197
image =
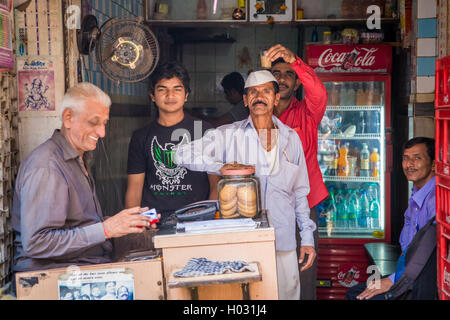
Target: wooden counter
x,y
251,246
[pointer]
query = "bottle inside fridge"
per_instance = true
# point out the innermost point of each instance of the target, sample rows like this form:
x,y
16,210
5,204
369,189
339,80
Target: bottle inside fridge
x,y
351,152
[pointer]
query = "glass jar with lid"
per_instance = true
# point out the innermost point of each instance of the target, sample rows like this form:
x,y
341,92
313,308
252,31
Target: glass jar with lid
x,y
239,192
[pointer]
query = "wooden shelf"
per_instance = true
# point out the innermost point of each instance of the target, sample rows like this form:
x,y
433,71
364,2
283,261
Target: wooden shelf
x,y
239,23
342,21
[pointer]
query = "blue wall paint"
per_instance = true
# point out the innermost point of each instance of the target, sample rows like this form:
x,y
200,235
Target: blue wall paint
x,y
426,66
427,28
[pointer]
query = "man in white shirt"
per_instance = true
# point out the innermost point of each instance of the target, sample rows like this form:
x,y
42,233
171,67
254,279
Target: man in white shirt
x,y
277,154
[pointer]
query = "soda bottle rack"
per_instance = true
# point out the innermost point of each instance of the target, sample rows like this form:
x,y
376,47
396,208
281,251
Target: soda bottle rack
x,y
350,233
352,122
356,136
354,108
350,179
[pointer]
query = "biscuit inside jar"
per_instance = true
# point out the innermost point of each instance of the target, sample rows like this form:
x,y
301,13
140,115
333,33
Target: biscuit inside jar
x,y
246,201
227,205
229,213
227,193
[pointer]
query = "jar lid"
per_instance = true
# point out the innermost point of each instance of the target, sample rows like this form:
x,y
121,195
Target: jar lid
x,y
327,32
236,169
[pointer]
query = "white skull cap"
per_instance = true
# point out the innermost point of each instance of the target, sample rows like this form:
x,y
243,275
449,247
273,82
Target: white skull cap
x,y
259,77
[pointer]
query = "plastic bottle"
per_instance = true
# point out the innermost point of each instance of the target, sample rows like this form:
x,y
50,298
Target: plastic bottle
x,y
315,35
334,162
331,211
360,98
363,221
376,94
371,94
375,163
344,190
351,94
329,88
337,129
332,215
354,210
343,99
362,129
372,191
377,123
326,37
202,12
343,161
335,95
339,197
374,122
322,213
374,214
342,214
364,169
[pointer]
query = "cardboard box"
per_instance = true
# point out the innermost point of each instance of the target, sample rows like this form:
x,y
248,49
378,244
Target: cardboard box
x,y
143,280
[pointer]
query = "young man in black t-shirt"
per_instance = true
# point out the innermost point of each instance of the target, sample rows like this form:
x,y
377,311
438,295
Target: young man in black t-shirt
x,y
154,180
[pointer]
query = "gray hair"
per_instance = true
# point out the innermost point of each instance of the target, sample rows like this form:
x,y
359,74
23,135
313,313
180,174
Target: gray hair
x,y
76,97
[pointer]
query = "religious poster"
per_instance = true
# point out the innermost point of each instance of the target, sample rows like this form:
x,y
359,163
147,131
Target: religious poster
x,y
36,85
107,284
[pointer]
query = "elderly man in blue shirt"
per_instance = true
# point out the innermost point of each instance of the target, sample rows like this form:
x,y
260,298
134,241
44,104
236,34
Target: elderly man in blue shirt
x,y
418,166
277,154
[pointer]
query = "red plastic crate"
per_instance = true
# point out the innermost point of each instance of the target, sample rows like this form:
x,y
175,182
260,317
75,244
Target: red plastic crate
x,y
444,263
442,82
443,200
442,153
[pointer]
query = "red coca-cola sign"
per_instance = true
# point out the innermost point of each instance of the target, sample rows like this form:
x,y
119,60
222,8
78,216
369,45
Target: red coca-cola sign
x,y
350,58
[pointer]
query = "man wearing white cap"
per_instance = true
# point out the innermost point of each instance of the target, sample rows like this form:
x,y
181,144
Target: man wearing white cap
x,y
277,154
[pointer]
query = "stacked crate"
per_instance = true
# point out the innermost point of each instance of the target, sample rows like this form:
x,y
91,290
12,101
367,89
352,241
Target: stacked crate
x,y
442,109
9,163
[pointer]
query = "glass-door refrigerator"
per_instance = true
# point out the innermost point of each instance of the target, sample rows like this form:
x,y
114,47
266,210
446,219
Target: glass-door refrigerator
x,y
355,158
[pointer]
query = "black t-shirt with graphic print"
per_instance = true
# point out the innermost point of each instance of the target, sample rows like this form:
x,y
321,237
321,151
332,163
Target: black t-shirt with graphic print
x,y
167,186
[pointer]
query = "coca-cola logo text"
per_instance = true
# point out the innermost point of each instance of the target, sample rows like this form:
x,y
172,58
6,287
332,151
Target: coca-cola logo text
x,y
365,59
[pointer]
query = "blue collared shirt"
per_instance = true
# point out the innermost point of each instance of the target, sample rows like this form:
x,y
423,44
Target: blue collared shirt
x,y
283,193
422,207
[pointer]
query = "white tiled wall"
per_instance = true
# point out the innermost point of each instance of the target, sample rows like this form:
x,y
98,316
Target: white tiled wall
x,y
426,47
208,63
426,9
425,84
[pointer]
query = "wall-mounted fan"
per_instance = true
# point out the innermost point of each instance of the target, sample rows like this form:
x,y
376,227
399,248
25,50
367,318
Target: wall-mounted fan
x,y
126,50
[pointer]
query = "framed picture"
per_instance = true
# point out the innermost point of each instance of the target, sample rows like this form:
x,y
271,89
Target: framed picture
x,y
263,10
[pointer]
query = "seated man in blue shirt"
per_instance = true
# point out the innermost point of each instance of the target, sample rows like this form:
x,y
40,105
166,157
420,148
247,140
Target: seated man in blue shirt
x,y
277,154
418,167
